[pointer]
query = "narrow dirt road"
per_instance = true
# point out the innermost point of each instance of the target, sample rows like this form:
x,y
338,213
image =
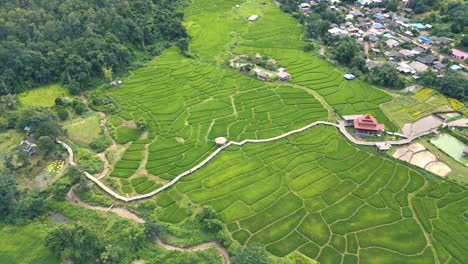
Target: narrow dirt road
x,y
122,212
73,198
204,246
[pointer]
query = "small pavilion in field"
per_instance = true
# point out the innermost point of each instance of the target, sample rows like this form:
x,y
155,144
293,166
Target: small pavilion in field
x,y
220,141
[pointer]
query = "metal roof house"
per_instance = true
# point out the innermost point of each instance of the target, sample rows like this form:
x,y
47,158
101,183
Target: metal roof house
x,y
425,40
29,147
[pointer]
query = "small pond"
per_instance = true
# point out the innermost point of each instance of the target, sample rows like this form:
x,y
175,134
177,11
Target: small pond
x,y
451,146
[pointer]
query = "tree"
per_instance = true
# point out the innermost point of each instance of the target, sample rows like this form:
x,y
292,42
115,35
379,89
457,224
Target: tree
x,y
429,78
209,221
46,143
100,143
387,76
79,106
74,242
41,122
252,254
62,114
8,193
454,85
151,230
346,51
8,101
3,124
59,101
141,125
309,47
29,206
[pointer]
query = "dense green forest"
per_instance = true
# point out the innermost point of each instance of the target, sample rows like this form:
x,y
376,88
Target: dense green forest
x,y
74,41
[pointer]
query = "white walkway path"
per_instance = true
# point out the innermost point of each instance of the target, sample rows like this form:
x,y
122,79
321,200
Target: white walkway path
x,y
340,126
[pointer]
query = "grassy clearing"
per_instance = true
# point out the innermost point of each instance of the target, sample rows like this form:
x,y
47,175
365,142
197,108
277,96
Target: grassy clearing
x,y
25,244
407,108
9,141
126,134
43,96
83,130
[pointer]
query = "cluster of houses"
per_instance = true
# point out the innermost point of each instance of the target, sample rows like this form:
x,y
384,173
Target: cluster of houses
x,y
405,42
265,69
407,54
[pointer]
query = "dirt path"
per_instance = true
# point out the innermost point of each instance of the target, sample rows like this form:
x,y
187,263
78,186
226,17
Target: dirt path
x,y
122,212
204,246
113,145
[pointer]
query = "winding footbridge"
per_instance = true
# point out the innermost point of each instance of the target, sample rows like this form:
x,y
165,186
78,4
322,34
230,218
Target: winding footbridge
x,y
340,125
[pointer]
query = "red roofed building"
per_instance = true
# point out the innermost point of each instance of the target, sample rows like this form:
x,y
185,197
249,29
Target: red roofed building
x,y
460,54
367,125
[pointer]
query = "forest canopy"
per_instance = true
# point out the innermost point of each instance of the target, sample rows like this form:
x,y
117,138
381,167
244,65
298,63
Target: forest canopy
x,y
74,41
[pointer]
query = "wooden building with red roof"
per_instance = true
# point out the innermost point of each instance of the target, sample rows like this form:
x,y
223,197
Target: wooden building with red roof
x,y
367,125
364,124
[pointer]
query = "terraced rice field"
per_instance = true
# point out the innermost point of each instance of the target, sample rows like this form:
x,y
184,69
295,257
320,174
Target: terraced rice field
x,y
187,104
312,192
278,36
316,194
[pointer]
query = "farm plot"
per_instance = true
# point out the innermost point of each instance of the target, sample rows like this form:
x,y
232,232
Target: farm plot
x,y
280,195
409,108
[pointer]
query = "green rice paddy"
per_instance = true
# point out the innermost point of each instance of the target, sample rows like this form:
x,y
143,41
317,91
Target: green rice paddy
x,y
316,194
311,193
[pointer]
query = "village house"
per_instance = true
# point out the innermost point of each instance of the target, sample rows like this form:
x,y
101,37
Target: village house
x,y
405,68
418,50
304,7
418,26
441,40
364,125
28,147
394,54
261,75
427,59
407,53
460,54
115,83
392,43
283,76
438,66
465,152
425,40
418,66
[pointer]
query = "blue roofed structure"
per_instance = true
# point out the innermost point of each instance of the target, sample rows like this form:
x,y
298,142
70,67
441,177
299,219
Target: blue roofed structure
x,y
378,26
379,17
418,25
388,35
455,67
425,40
